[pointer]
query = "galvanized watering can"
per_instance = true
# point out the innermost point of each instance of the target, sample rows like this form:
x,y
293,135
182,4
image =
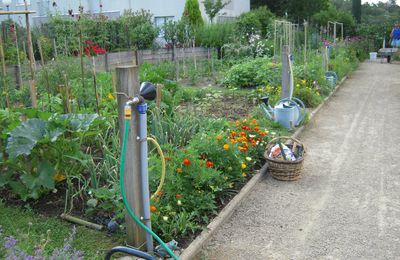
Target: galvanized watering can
x,y
287,112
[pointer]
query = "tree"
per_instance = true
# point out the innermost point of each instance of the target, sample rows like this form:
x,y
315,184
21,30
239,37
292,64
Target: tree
x,y
357,10
192,14
213,7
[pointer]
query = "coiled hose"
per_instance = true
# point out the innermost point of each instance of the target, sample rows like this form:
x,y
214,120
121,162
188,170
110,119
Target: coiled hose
x,y
122,186
162,179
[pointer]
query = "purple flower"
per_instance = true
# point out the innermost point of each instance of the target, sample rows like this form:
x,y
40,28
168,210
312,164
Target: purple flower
x,y
9,242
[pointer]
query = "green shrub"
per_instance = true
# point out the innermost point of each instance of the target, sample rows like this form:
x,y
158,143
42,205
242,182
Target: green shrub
x,y
253,73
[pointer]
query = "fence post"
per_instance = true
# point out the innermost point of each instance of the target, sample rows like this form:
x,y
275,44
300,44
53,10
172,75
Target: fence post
x,y
285,71
128,83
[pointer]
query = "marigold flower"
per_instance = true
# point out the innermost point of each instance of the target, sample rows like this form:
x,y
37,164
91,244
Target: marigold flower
x,y
244,166
242,133
233,133
226,146
244,174
179,170
168,158
178,196
110,96
219,137
209,164
186,162
256,129
153,208
244,127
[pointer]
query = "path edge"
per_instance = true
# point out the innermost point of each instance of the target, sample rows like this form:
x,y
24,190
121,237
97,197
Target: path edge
x,y
194,248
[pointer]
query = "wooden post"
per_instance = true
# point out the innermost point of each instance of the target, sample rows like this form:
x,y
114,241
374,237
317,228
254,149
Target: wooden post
x,y
32,87
285,72
63,89
55,48
106,66
305,48
95,86
159,95
128,83
325,57
65,46
3,72
19,78
194,54
46,74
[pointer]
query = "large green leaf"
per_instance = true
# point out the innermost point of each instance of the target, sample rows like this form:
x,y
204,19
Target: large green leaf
x,y
78,122
44,177
23,138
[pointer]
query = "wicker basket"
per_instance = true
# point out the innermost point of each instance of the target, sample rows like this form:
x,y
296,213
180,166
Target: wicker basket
x,y
284,170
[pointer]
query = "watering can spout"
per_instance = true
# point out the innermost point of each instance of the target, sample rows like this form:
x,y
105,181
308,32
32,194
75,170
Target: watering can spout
x,y
266,107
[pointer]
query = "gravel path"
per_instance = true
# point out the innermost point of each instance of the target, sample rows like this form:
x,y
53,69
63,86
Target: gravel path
x,y
347,206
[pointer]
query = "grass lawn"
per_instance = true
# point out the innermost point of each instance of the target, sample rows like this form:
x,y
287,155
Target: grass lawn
x,y
32,230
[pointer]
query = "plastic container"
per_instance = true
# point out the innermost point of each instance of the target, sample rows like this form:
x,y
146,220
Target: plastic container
x,y
372,56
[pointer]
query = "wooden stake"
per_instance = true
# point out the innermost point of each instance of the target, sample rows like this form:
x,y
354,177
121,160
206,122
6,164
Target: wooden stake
x,y
95,86
159,95
55,48
128,83
32,87
4,73
46,74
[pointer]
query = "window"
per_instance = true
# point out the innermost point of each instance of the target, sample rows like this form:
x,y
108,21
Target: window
x,y
160,21
21,2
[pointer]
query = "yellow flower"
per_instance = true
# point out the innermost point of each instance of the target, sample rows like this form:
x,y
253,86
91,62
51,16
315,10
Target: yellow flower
x,y
226,146
244,166
244,174
59,177
110,96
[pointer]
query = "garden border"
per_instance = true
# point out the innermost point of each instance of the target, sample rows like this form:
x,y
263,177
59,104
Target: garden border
x,y
194,248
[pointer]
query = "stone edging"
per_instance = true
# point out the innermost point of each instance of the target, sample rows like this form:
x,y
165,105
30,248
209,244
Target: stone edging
x,y
194,248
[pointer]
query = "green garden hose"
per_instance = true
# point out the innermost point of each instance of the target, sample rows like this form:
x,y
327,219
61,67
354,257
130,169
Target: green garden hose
x,y
121,182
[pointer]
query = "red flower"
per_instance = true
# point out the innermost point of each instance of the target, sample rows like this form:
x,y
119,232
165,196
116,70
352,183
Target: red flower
x,y
178,196
209,164
186,162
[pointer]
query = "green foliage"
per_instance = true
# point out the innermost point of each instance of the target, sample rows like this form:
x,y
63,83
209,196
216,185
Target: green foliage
x,y
357,10
253,73
139,29
215,35
50,153
212,7
192,14
332,14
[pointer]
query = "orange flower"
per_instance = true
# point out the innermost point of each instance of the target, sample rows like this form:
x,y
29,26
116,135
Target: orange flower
x,y
242,133
178,196
168,158
219,137
179,170
233,141
153,208
256,129
186,162
226,146
233,133
244,127
209,164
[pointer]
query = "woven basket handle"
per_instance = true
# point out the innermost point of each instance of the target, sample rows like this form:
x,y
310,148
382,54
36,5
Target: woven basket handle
x,y
284,137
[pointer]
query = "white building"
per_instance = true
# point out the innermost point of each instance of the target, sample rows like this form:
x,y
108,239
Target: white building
x,y
162,10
